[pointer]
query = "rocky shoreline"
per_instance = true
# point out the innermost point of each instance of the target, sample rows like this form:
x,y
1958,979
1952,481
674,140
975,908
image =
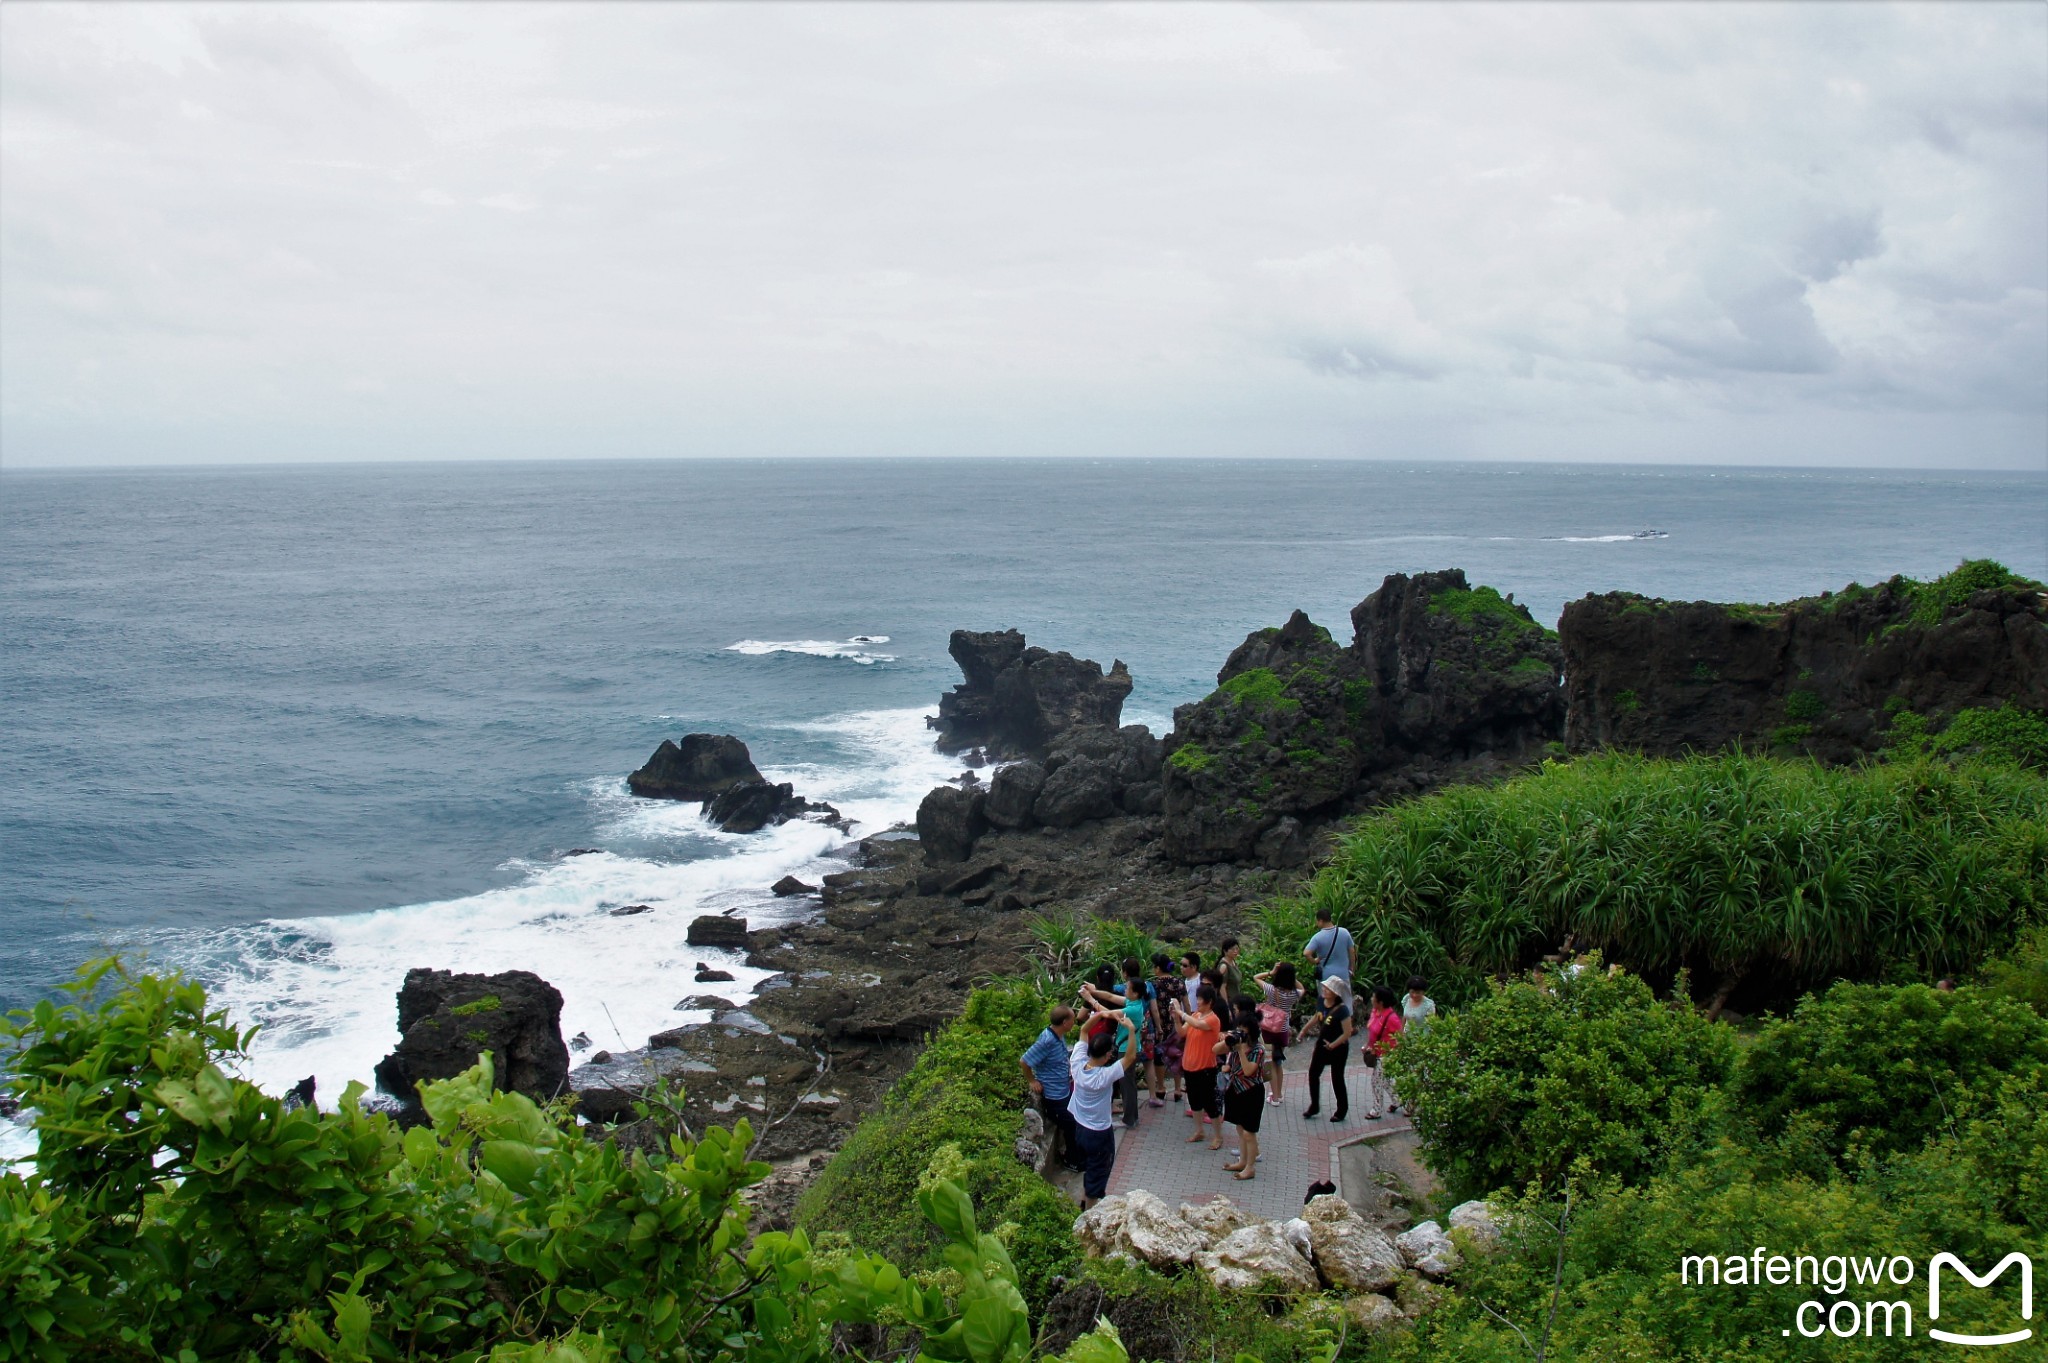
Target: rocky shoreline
x,y
1184,834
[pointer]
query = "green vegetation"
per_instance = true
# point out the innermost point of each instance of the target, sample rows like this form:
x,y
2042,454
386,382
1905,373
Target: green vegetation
x,y
1358,696
1486,604
175,1212
1785,872
1191,758
1582,1070
1864,1069
1791,735
2004,734
1260,686
964,1092
1852,1163
1933,602
1803,705
1532,664
489,1003
1627,702
1253,733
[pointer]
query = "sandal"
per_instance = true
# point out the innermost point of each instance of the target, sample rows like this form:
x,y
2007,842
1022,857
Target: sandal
x,y
1252,1173
1192,1139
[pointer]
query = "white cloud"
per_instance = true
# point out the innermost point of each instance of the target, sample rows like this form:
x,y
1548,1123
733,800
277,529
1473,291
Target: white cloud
x,y
446,230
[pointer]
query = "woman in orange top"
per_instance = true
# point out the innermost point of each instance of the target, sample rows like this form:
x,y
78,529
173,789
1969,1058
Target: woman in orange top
x,y
1201,1030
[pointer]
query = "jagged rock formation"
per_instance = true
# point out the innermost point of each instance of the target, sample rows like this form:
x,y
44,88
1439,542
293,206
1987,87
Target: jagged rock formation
x,y
702,767
445,1021
1437,672
1824,675
1016,700
1090,773
718,770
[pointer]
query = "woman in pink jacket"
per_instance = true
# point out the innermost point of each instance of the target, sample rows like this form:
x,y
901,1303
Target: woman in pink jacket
x,y
1382,1034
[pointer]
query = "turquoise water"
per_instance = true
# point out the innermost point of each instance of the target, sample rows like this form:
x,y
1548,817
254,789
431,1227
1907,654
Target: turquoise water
x,y
297,730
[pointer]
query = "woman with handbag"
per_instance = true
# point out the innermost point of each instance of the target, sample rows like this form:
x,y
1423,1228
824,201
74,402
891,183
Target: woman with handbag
x,y
1243,1082
1276,1023
1382,1034
1332,1026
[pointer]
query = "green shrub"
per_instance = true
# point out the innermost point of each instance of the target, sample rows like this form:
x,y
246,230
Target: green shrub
x,y
2022,973
1736,866
1871,1069
966,1090
1932,602
1801,705
1582,1067
2005,734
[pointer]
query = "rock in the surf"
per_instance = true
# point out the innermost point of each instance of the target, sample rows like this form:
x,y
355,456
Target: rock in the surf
x,y
445,1021
753,805
790,885
716,930
702,767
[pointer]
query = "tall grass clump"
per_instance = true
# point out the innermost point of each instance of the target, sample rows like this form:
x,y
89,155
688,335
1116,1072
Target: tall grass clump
x,y
1786,874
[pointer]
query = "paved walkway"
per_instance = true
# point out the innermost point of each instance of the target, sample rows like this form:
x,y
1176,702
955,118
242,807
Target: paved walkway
x,y
1296,1150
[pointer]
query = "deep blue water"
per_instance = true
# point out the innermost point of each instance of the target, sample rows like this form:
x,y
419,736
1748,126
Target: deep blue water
x,y
245,708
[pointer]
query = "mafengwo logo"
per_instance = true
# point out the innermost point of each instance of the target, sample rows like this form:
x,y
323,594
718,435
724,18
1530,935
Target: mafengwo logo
x,y
1880,1308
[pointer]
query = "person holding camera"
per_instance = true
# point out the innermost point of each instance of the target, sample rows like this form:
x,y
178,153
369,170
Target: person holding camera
x,y
1096,1068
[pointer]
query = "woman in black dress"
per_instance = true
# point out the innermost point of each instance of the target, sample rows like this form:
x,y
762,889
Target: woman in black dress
x,y
1332,1026
1244,1086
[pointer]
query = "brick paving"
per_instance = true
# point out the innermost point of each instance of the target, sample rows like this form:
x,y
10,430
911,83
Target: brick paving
x,y
1296,1149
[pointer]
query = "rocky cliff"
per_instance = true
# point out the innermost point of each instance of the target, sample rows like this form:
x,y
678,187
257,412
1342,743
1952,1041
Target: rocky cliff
x,y
1827,675
1437,674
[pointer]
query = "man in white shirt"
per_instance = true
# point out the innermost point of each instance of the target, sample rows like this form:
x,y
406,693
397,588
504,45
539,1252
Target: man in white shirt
x,y
1096,1070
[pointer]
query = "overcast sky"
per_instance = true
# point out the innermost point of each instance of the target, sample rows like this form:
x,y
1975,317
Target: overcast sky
x,y
1812,234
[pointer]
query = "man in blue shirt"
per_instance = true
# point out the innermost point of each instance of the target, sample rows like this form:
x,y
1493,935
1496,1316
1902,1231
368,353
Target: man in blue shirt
x,y
1332,949
1052,1084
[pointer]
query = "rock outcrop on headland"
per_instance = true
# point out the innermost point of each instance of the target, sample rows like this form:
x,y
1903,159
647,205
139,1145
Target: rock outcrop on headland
x,y
1825,675
445,1021
1016,700
1438,674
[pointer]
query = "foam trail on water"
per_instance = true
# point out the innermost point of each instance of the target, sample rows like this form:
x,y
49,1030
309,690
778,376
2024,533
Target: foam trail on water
x,y
325,988
853,650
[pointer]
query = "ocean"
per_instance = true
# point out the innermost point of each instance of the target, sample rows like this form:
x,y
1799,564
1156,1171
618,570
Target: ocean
x,y
296,730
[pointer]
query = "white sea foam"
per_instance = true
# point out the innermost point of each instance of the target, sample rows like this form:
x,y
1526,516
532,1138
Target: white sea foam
x,y
853,650
325,988
1607,539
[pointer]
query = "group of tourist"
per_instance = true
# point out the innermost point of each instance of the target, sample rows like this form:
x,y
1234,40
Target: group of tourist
x,y
1218,1039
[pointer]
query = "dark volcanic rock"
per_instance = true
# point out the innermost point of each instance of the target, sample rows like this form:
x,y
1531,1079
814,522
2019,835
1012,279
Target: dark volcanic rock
x,y
629,910
703,767
706,975
716,930
1437,672
1823,675
790,885
1012,792
1082,789
1016,700
446,1020
1460,670
948,821
752,805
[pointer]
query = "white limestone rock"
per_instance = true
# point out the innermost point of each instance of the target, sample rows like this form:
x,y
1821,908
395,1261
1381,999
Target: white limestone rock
x,y
1100,1229
1373,1314
1216,1219
1351,1254
1254,1256
1477,1219
1428,1250
1297,1234
1154,1233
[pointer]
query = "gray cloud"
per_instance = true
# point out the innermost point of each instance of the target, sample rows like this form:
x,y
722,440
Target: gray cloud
x,y
280,232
